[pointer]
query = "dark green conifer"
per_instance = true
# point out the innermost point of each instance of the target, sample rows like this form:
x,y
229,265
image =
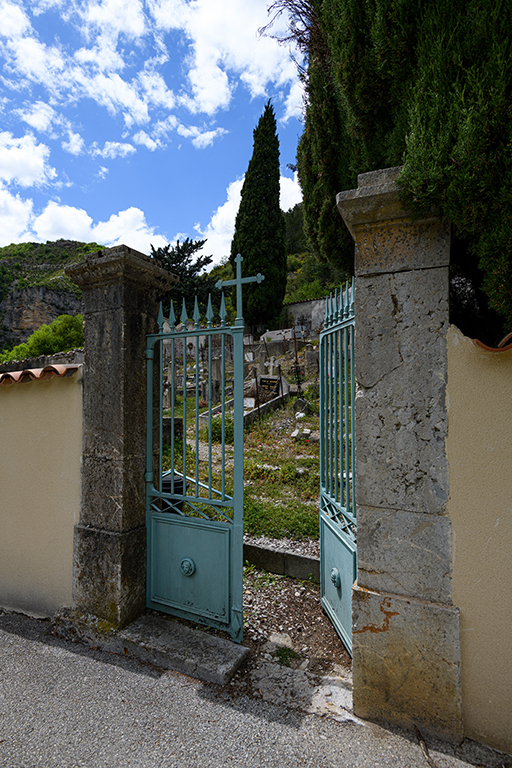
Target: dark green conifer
x,y
426,84
259,226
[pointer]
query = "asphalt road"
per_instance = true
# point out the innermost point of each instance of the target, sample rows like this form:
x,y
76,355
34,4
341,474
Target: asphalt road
x,y
64,705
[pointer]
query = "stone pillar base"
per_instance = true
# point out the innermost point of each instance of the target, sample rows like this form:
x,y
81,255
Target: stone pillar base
x,y
406,655
109,573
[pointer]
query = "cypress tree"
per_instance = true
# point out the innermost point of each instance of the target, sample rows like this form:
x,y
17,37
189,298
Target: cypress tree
x,y
259,226
323,168
426,84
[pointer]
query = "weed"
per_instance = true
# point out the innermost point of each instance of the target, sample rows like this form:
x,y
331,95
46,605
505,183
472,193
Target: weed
x,y
285,655
293,519
229,429
178,455
260,579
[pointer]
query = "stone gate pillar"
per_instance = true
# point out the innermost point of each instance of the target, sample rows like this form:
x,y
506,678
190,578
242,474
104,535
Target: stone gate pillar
x,y
406,647
120,290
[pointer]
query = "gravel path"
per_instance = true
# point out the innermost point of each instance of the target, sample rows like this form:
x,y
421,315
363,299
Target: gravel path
x,y
65,706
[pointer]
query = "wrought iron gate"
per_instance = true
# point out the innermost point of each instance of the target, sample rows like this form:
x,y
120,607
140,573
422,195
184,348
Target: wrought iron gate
x,y
337,460
194,507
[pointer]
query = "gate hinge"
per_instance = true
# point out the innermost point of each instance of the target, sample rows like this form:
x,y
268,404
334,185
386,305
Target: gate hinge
x,y
150,354
148,477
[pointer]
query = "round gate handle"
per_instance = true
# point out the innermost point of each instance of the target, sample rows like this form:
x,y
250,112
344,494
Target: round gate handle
x,y
187,566
336,578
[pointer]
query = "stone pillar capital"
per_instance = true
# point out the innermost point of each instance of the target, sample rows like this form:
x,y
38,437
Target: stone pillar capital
x,y
121,264
387,237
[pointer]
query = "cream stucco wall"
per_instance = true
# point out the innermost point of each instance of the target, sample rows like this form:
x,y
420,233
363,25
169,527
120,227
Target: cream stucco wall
x,y
479,448
40,457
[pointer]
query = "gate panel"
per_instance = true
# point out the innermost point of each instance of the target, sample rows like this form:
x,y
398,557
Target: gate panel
x,y
338,528
186,583
194,505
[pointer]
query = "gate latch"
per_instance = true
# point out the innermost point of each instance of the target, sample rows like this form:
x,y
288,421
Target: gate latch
x,y
187,566
336,578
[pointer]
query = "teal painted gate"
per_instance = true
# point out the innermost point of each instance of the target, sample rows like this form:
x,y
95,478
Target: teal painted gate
x,y
194,525
338,549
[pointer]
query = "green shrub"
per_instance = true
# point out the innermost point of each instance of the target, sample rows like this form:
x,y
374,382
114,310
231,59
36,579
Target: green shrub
x,y
63,334
289,520
229,429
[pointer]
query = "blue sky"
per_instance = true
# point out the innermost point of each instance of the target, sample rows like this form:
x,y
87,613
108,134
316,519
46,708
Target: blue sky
x,y
131,121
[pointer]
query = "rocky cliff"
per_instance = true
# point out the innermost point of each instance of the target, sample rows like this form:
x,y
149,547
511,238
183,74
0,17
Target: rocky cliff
x,y
33,287
24,311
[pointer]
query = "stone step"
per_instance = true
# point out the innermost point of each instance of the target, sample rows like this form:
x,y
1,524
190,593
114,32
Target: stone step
x,y
158,640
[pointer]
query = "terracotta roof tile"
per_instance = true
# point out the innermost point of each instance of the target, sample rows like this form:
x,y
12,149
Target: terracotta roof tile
x,y
37,374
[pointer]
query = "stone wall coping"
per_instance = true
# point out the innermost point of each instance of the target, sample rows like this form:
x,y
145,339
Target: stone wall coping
x,y
74,356
119,264
37,374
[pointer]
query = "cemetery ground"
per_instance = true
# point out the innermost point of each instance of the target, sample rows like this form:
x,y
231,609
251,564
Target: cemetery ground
x,y
284,623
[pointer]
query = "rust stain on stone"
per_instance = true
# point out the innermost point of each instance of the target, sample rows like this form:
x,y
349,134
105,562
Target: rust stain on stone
x,y
386,603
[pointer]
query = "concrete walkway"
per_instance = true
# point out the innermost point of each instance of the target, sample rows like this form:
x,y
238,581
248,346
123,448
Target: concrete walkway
x,y
63,705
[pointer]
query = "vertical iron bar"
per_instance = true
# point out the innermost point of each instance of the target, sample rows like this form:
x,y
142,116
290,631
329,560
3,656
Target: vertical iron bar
x,y
210,341
337,413
339,420
331,419
352,421
160,410
238,480
149,467
173,394
321,363
184,436
197,413
346,425
222,412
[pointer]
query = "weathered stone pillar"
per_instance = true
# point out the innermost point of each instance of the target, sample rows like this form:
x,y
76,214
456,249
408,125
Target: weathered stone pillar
x,y
120,289
406,647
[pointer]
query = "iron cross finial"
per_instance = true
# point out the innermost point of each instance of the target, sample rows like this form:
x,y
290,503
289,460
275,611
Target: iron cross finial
x,y
239,281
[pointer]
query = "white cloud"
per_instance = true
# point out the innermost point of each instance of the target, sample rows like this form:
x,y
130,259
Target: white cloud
x,y
38,63
114,17
200,139
101,56
40,6
294,102
219,231
225,43
219,46
24,161
162,128
128,227
14,20
113,149
15,217
153,85
114,93
146,141
290,192
39,116
74,145
63,221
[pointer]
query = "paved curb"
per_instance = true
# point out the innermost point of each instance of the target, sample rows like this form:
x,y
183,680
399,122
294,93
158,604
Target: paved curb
x,y
283,563
160,641
171,645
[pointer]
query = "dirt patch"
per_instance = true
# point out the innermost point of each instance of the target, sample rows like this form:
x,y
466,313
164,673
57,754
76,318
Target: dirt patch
x,y
281,605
